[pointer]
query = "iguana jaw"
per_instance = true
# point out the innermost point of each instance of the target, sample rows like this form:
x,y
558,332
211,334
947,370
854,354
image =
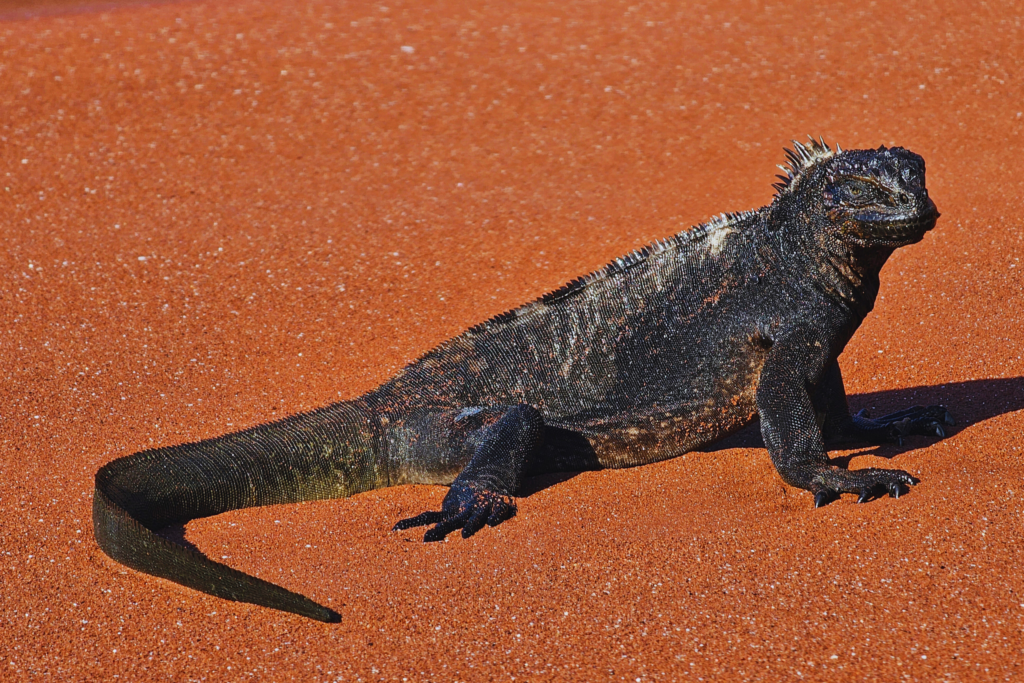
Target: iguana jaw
x,y
871,230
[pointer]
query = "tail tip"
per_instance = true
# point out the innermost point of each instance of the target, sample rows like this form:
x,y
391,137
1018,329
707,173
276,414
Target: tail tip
x,y
331,617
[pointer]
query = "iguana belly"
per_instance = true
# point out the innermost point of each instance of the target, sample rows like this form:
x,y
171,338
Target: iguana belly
x,y
638,437
646,438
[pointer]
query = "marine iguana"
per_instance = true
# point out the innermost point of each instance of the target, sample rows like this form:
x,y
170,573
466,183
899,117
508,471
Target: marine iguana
x,y
663,351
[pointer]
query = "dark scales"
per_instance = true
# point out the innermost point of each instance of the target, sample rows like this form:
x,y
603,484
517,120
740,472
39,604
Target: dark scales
x,y
665,350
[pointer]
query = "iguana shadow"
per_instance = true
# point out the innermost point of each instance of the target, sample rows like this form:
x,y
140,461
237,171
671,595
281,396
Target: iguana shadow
x,y
176,533
970,402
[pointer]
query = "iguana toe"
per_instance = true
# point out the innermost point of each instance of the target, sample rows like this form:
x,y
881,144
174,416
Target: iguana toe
x,y
501,511
923,421
443,528
476,521
418,520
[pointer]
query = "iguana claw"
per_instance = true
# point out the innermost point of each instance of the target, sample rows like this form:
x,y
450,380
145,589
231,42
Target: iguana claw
x,y
823,498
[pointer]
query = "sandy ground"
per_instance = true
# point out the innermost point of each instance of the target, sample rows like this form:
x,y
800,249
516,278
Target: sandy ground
x,y
215,214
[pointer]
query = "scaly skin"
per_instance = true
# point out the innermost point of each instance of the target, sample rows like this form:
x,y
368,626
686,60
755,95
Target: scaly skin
x,y
663,351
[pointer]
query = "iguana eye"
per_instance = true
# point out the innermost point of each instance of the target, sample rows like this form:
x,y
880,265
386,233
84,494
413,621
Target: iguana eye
x,y
858,191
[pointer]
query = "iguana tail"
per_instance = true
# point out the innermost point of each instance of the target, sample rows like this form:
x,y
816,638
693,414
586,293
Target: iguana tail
x,y
328,453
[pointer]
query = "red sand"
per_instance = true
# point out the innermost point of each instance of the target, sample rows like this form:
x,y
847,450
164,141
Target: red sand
x,y
214,214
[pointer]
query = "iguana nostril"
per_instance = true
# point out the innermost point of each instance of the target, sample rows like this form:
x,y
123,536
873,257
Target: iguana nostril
x,y
903,198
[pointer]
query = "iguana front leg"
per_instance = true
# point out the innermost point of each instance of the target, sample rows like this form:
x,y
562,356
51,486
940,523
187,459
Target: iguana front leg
x,y
790,427
482,493
839,426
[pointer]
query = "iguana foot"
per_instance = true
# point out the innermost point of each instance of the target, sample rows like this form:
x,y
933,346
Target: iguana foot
x,y
868,483
925,421
464,507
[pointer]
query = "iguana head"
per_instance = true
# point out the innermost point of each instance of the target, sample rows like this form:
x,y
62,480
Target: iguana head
x,y
869,197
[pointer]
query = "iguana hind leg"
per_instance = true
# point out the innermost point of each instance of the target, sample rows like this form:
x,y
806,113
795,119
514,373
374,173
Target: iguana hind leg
x,y
839,426
482,493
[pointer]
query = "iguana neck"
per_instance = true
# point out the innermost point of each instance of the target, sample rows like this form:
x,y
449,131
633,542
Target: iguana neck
x,y
813,257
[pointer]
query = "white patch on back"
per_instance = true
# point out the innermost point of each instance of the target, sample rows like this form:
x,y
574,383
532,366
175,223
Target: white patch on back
x,y
467,412
716,240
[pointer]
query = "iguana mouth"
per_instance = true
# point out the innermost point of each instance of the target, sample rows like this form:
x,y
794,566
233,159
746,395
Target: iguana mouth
x,y
913,228
897,232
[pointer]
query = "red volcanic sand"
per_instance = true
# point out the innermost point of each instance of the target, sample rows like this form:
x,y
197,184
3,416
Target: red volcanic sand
x,y
216,214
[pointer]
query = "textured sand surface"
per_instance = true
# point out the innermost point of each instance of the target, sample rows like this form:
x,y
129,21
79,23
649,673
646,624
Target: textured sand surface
x,y
216,214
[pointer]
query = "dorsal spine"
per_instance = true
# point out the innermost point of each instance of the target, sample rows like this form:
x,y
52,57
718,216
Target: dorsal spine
x,y
802,157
